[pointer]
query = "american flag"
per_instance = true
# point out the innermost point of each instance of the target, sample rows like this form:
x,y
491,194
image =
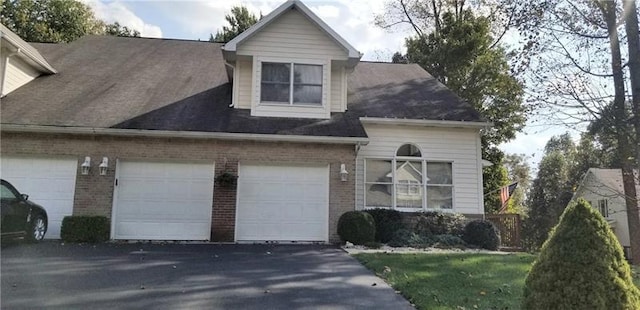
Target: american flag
x,y
505,194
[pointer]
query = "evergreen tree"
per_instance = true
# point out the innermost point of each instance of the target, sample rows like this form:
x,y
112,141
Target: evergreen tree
x,y
581,266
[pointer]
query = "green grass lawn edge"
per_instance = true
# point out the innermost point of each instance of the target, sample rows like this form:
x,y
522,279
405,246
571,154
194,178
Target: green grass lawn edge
x,y
456,280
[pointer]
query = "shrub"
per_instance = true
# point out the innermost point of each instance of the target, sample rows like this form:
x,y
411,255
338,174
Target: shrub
x,y
387,223
438,223
447,241
483,234
405,237
85,229
357,227
581,266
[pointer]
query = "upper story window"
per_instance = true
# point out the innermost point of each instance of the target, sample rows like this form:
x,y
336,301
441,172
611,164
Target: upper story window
x,y
291,83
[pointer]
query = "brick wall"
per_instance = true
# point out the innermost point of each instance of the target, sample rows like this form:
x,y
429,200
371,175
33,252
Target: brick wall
x,y
94,193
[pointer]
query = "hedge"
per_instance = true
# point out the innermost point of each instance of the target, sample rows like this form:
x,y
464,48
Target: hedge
x,y
91,229
357,227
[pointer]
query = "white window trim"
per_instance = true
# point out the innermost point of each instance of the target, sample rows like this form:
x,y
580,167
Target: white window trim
x,y
275,109
424,161
292,86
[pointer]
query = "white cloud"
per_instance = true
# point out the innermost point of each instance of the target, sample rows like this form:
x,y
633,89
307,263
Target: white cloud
x,y
353,20
326,11
117,12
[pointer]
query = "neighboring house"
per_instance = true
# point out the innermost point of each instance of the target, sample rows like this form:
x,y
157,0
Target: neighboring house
x,y
138,129
604,190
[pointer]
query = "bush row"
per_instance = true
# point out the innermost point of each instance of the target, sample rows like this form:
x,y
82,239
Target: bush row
x,y
431,229
91,229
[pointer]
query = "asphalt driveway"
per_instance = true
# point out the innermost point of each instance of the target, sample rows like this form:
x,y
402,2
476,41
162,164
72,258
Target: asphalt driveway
x,y
177,276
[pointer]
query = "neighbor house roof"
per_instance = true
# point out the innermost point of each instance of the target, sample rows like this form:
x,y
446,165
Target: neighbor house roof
x,y
603,180
178,85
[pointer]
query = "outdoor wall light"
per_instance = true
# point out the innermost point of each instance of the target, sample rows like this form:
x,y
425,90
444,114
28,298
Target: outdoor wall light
x,y
86,165
103,166
343,173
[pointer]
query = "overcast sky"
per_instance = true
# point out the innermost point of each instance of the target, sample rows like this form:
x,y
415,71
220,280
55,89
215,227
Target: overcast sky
x,y
353,20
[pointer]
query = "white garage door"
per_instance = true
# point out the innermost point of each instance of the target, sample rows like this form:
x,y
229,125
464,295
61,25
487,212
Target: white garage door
x,y
163,201
282,203
49,182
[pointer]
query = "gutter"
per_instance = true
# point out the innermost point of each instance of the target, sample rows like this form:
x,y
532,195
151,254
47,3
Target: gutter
x,y
181,134
21,49
424,122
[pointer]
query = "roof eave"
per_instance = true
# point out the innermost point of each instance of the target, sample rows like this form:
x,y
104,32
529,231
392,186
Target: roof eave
x,y
95,131
425,122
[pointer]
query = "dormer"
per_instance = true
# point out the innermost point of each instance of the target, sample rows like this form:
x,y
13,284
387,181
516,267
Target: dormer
x,y
290,64
20,62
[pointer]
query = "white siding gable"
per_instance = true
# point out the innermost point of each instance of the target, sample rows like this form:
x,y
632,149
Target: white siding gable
x,y
292,35
459,146
16,73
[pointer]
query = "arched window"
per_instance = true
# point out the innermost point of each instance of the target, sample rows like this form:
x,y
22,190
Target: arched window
x,y
409,150
408,181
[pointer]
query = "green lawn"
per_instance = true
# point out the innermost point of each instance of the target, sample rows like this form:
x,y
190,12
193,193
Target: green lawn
x,y
456,281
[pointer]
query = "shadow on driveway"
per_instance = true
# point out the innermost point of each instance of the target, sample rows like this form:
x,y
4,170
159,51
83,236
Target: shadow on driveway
x,y
176,276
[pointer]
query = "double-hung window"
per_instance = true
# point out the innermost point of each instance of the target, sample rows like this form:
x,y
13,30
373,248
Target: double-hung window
x,y
408,181
603,207
291,83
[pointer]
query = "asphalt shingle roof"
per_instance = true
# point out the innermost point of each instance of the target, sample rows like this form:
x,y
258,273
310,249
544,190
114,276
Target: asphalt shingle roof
x,y
159,84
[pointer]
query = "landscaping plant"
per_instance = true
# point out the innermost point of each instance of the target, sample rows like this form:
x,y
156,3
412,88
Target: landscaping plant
x,y
407,238
581,266
439,223
357,227
85,229
387,221
483,234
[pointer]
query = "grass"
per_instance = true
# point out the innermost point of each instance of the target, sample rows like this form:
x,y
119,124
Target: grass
x,y
456,281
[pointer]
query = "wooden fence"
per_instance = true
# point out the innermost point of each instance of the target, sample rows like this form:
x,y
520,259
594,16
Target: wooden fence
x,y
510,227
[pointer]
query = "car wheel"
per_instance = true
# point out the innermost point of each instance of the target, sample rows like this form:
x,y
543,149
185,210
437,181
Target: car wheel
x,y
38,228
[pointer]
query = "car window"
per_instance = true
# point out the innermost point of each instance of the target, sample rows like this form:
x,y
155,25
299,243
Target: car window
x,y
6,193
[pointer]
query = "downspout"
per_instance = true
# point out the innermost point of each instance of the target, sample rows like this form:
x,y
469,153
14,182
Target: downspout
x,y
233,68
355,175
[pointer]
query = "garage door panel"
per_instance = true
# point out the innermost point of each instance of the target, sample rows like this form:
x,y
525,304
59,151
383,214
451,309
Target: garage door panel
x,y
164,201
312,210
49,182
285,203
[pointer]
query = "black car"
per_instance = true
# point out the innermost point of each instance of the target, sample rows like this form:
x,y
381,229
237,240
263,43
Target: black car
x,y
21,218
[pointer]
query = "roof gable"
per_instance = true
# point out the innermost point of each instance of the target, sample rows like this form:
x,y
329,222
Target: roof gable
x,y
26,51
232,46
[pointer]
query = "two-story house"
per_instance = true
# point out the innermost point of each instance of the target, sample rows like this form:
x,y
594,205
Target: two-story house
x,y
604,190
139,129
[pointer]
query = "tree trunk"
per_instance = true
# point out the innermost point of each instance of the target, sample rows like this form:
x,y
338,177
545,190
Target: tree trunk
x,y
633,35
608,10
